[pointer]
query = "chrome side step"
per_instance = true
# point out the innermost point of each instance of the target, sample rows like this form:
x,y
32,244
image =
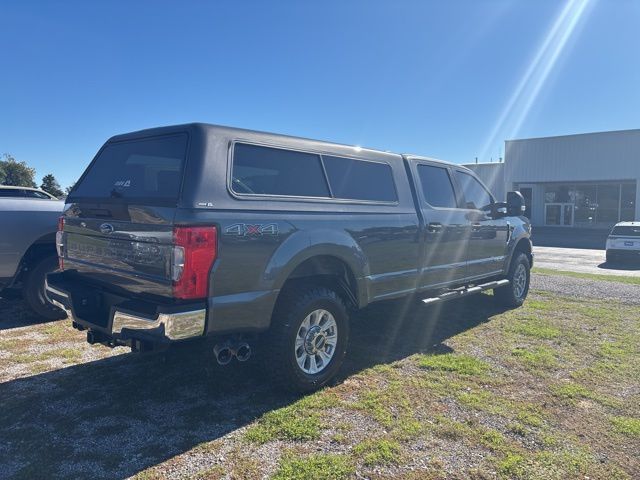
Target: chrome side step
x,y
464,291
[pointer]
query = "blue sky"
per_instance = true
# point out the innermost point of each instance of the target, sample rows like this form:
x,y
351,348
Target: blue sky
x,y
450,79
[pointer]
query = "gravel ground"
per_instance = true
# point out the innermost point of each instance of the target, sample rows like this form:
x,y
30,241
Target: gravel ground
x,y
73,411
587,288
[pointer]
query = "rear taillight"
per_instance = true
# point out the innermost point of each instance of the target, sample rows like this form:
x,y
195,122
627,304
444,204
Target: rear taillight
x,y
60,242
195,249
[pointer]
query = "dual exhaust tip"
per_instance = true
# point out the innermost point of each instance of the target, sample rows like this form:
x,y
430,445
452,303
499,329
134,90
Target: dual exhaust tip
x,y
225,352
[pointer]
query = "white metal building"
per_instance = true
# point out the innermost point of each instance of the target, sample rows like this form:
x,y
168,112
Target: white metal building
x,y
587,180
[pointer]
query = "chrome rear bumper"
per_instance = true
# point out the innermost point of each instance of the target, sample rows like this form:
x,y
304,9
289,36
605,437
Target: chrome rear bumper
x,y
53,299
179,325
176,326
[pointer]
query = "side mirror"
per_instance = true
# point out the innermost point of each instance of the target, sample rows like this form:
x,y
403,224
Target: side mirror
x,y
515,204
497,210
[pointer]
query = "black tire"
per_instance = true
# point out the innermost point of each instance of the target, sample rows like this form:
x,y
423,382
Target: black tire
x,y
281,354
514,294
33,289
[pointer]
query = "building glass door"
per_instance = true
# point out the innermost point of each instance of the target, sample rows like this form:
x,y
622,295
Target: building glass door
x,y
559,214
527,193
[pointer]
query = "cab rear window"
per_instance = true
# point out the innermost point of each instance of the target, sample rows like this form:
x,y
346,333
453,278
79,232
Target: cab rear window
x,y
626,230
148,169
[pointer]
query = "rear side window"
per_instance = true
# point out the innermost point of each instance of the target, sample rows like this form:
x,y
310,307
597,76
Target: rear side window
x,y
138,169
11,192
360,180
475,195
273,171
36,194
626,230
437,187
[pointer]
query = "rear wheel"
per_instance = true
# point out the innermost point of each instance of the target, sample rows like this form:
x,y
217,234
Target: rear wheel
x,y
34,289
308,338
519,276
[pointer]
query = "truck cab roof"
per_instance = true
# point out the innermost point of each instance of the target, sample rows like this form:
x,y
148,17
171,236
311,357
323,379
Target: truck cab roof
x,y
244,133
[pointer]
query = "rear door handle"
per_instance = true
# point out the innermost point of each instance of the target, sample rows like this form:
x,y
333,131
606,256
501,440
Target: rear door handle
x,y
434,227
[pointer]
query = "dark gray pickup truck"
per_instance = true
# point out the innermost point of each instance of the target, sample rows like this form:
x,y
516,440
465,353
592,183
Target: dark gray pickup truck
x,y
197,230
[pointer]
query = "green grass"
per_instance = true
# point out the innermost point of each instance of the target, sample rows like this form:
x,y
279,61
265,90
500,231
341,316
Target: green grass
x,y
589,276
513,466
535,357
461,364
68,355
627,425
314,467
530,417
572,391
285,424
379,452
537,329
615,350
299,421
375,403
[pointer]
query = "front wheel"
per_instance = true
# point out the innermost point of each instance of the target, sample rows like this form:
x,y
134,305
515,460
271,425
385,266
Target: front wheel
x,y
519,276
308,338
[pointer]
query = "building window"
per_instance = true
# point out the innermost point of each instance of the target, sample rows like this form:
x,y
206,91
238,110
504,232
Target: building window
x,y
608,204
628,202
597,205
558,194
585,198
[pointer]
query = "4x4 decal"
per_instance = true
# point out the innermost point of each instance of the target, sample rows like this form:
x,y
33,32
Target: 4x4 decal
x,y
251,230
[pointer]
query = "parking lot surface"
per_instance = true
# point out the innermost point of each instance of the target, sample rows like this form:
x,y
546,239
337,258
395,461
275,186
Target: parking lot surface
x,y
580,260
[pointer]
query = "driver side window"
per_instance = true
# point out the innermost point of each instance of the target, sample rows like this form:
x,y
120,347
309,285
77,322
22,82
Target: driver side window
x,y
475,195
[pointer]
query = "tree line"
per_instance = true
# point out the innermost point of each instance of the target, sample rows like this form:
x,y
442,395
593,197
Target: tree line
x,y
19,174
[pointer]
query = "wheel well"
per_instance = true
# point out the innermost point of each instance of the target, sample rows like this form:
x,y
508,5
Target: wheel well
x,y
524,246
43,247
330,271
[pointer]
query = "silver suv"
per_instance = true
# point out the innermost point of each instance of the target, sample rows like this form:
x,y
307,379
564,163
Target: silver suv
x,y
623,243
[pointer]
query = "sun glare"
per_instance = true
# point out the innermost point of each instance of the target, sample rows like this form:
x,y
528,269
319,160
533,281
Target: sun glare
x,y
522,99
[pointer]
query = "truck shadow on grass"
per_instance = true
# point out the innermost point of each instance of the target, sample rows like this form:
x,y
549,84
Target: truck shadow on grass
x,y
15,314
115,417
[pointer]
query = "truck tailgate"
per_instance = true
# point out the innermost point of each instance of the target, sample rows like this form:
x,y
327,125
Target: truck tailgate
x,y
135,257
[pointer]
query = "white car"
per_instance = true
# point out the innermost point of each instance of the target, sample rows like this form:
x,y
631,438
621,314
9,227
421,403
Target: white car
x,y
623,243
24,192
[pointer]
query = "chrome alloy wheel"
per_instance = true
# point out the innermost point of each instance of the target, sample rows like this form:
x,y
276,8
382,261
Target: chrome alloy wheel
x,y
519,281
316,341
